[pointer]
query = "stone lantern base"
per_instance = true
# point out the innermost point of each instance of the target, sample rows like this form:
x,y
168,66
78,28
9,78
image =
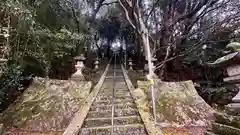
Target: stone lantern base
x,y
78,76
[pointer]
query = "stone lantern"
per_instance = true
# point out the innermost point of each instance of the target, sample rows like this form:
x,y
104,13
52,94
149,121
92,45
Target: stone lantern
x,y
130,63
78,75
225,122
103,55
146,63
96,63
85,48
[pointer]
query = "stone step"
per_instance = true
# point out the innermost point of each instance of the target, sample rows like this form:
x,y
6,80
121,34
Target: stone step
x,y
108,113
117,100
108,102
209,133
110,87
107,121
226,119
117,106
95,131
125,120
116,73
110,97
110,77
116,94
115,90
221,129
125,112
97,122
131,129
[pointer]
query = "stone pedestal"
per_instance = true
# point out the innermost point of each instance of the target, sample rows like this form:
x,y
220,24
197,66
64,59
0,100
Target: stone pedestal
x,y
130,64
78,75
85,49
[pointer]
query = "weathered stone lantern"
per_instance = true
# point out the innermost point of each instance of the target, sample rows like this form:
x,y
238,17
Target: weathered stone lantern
x,y
130,63
103,55
96,63
226,123
85,48
78,75
146,63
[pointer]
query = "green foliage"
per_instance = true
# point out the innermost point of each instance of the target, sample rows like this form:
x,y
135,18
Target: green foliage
x,y
10,83
221,93
43,41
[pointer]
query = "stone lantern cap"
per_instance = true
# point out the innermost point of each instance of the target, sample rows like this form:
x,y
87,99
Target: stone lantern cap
x,y
234,45
130,60
154,59
227,60
96,62
80,58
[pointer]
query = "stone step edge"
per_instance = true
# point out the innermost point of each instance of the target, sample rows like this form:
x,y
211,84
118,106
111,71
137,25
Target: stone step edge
x,y
118,98
209,133
116,101
115,126
146,117
117,91
116,104
127,104
115,118
107,77
119,105
115,110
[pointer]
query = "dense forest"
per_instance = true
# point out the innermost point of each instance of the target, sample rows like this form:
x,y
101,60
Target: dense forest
x,y
41,37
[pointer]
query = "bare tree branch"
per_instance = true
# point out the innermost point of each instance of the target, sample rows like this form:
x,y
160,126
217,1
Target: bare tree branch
x,y
196,46
106,4
151,11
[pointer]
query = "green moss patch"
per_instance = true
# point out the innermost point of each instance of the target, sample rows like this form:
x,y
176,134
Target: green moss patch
x,y
178,103
46,106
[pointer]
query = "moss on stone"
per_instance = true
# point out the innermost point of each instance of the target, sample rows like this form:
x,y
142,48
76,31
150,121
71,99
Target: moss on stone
x,y
178,103
46,109
221,129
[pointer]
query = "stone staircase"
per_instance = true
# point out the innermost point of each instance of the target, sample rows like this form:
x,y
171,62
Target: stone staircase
x,y
120,104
